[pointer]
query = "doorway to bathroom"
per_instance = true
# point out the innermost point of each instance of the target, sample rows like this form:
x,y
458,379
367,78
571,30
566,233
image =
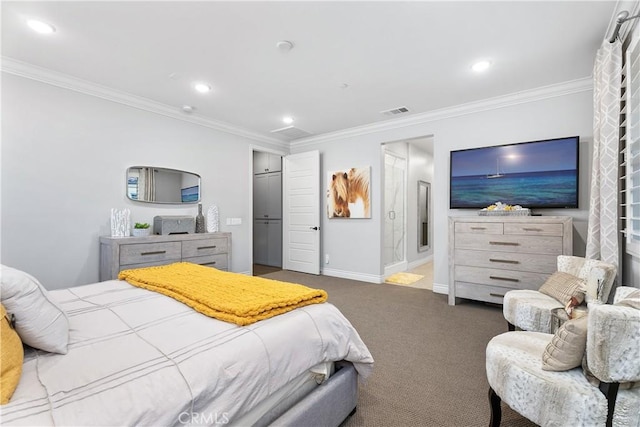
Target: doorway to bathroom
x,y
406,207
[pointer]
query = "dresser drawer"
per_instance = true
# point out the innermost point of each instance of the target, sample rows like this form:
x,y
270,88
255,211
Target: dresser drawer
x,y
534,229
550,245
191,248
537,263
494,294
144,264
215,261
149,252
503,278
479,227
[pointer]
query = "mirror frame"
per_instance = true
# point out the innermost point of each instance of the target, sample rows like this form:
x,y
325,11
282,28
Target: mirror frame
x,y
426,205
156,168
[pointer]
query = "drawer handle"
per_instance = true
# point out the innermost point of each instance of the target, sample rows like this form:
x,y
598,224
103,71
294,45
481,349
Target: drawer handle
x,y
504,261
496,295
153,253
207,247
505,243
478,228
209,263
507,279
531,229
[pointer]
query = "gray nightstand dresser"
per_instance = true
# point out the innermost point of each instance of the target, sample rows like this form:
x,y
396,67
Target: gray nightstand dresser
x,y
121,253
489,256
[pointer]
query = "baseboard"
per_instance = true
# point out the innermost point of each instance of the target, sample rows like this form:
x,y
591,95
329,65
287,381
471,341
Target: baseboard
x,y
370,278
417,263
439,288
395,268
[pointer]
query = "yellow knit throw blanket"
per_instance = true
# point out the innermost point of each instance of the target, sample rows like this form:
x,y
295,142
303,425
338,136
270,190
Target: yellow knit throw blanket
x,y
230,297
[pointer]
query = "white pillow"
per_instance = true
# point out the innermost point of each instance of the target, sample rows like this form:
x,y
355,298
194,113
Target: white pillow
x,y
40,322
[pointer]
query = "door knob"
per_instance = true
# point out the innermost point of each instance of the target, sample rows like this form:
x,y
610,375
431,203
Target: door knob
x,y
314,228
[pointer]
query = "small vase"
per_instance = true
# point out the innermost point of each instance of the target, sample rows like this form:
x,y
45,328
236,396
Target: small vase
x,y
200,220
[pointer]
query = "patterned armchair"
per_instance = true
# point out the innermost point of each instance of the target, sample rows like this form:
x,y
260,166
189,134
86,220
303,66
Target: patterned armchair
x,y
531,310
604,390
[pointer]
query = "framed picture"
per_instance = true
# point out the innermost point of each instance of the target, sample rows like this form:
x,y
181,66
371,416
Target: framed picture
x,y
348,193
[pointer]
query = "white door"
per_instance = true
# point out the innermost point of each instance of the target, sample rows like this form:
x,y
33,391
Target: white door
x,y
301,225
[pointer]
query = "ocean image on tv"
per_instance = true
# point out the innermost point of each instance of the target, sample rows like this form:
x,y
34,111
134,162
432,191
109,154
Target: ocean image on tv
x,y
535,189
533,175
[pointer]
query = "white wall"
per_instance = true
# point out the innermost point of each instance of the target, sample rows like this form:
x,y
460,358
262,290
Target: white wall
x,y
357,243
64,158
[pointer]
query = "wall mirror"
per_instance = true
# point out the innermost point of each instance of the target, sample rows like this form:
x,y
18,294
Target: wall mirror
x,y
424,192
161,185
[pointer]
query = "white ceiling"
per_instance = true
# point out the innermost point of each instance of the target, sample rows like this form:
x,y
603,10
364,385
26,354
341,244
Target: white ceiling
x,y
389,53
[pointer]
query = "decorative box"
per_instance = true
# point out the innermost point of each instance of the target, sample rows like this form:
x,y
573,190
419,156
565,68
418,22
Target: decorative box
x,y
173,224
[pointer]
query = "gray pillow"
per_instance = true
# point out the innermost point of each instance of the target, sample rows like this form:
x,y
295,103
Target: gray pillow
x,y
40,322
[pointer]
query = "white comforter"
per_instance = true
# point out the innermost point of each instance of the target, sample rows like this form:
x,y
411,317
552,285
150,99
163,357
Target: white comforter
x,y
140,358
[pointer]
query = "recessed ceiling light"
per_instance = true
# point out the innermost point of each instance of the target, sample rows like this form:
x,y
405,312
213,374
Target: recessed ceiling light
x,y
201,87
287,120
41,27
481,66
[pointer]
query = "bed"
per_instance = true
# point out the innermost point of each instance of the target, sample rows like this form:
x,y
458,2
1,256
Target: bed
x,y
137,357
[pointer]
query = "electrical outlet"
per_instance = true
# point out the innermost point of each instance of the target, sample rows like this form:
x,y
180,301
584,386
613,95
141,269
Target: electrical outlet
x,y
326,258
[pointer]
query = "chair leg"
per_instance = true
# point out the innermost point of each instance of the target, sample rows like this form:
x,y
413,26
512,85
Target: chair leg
x,y
496,410
610,391
511,327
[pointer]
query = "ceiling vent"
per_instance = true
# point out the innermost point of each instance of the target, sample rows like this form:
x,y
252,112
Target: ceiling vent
x,y
291,132
395,111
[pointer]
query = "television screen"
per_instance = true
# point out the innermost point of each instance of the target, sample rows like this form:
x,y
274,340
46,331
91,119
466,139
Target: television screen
x,y
191,194
536,174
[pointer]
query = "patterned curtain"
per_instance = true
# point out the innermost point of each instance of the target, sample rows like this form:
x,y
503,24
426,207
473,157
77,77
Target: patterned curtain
x,y
602,236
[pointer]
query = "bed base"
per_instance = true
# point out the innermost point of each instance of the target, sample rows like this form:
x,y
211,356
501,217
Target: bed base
x,y
328,405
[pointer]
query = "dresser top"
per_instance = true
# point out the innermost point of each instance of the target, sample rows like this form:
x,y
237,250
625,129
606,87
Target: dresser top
x,y
154,238
514,218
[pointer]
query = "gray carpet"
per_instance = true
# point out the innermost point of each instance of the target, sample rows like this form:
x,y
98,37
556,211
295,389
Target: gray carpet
x,y
429,357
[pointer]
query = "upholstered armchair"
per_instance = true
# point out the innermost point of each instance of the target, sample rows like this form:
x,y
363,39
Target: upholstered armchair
x,y
600,389
531,310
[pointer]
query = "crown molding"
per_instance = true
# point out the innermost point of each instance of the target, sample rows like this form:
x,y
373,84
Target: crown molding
x,y
44,75
65,81
533,95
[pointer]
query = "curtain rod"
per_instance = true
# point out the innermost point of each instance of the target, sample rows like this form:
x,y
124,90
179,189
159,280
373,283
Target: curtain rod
x,y
621,19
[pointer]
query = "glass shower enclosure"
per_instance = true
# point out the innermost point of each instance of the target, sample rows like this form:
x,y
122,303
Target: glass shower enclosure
x,y
394,207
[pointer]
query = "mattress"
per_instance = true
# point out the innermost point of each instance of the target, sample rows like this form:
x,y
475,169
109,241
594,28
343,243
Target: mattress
x,y
287,396
140,358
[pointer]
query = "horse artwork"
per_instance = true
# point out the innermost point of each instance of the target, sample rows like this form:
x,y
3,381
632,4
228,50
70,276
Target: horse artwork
x,y
348,194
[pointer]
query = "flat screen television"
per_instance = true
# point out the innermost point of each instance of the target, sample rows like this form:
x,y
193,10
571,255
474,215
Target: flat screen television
x,y
535,174
190,194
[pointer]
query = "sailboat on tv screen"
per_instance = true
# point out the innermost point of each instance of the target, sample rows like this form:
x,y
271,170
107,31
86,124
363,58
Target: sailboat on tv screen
x,y
497,174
